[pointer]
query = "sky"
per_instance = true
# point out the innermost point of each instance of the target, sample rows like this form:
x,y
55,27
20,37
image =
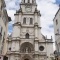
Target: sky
x,y
48,9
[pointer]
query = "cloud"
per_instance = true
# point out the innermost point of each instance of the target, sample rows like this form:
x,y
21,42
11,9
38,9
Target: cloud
x,y
12,4
11,13
48,9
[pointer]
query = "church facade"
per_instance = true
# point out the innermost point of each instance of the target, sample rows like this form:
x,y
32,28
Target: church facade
x,y
26,41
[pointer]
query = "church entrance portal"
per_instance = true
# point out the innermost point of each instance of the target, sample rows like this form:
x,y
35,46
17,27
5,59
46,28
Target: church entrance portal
x,y
26,59
26,48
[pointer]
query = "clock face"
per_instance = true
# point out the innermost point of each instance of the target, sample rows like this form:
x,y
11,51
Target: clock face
x,y
28,9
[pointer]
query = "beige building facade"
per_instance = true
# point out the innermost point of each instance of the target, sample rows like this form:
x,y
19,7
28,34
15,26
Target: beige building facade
x,y
4,19
57,33
26,41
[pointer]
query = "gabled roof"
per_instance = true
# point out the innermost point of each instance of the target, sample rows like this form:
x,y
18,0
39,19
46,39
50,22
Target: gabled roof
x,y
57,13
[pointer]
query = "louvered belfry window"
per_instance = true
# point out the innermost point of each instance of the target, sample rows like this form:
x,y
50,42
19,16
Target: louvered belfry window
x,y
24,21
31,21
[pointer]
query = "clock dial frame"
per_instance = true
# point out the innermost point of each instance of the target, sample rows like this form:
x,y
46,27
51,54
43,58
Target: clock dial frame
x,y
28,8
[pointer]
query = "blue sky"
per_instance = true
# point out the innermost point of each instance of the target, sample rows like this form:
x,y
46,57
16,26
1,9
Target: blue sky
x,y
48,9
58,1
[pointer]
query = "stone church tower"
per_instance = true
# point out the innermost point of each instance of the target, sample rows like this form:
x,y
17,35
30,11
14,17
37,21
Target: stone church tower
x,y
26,41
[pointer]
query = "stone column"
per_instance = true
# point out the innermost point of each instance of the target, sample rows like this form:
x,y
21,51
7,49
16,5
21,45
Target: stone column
x,y
36,32
36,18
36,25
20,17
36,36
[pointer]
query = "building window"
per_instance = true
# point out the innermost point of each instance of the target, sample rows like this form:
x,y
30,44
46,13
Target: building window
x,y
0,32
24,21
56,21
0,29
5,58
28,1
3,39
10,48
24,1
31,21
0,57
32,1
27,36
58,31
41,48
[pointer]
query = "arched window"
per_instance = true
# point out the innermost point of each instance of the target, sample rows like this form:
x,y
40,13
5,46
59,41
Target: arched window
x,y
28,1
31,21
24,21
27,36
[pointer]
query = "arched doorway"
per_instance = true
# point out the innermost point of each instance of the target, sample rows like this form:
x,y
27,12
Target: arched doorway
x,y
26,59
26,48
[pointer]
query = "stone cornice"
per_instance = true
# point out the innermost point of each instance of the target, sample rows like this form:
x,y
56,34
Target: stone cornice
x,y
17,24
27,26
46,42
13,39
13,52
28,4
40,53
56,14
16,14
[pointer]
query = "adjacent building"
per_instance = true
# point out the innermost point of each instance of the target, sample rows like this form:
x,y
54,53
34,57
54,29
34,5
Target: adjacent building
x,y
57,33
4,19
26,41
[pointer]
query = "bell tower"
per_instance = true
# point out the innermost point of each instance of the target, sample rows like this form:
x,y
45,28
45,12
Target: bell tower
x,y
26,38
28,5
